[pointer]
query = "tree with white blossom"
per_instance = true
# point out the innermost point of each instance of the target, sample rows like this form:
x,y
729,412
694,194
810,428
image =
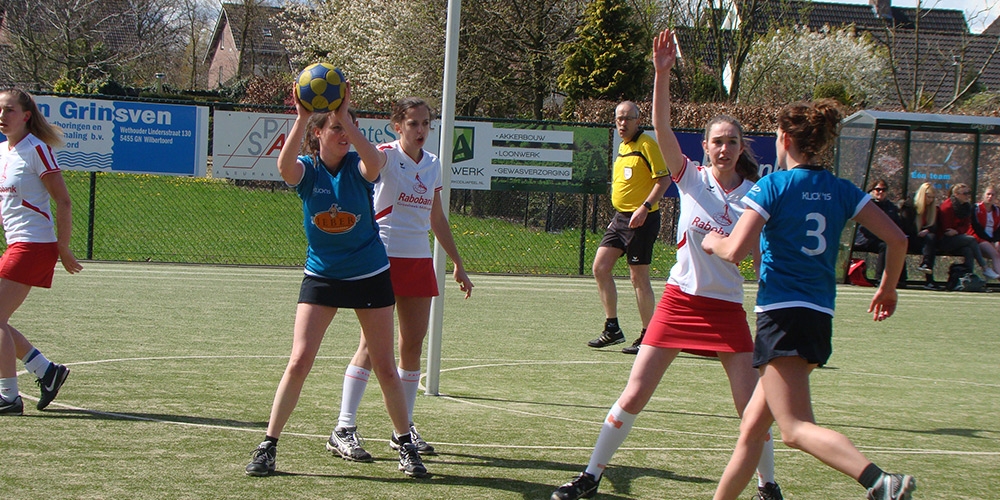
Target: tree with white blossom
x,y
789,64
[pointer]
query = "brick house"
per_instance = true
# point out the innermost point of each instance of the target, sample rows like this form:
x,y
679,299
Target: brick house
x,y
253,35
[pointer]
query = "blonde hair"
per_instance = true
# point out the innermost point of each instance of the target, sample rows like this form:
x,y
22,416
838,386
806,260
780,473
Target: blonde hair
x,y
920,203
37,125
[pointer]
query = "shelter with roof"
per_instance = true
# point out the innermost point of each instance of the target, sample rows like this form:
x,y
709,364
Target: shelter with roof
x,y
908,149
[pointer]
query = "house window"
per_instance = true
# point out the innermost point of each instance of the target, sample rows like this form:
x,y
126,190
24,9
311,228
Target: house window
x,y
267,32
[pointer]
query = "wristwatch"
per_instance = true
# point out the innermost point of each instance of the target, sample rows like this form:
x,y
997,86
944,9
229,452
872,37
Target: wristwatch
x,y
647,205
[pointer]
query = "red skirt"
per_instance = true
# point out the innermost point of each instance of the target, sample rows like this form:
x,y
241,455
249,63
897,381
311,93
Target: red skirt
x,y
413,277
698,325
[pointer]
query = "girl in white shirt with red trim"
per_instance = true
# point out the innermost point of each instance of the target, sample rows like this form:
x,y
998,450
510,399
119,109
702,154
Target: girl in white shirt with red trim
x,y
701,311
29,179
407,206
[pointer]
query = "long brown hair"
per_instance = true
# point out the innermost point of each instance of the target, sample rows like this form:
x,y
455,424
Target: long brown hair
x,y
746,165
316,122
37,125
405,104
812,126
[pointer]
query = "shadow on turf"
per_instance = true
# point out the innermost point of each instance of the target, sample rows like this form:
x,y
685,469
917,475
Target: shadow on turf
x,y
152,417
618,478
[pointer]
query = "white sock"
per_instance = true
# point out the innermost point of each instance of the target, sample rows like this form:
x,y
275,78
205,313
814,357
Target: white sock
x,y
411,382
355,382
8,389
613,433
36,363
765,468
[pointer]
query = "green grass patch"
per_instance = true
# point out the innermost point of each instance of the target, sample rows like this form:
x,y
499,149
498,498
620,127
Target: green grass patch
x,y
174,368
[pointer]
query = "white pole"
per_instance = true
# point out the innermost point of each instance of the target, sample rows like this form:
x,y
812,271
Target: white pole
x,y
444,153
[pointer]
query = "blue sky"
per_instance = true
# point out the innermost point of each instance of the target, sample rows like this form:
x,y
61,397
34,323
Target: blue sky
x,y
988,9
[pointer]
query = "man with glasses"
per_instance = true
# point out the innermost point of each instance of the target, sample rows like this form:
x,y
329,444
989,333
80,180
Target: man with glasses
x,y
638,180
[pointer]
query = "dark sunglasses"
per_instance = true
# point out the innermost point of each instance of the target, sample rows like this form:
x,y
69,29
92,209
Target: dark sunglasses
x,y
878,189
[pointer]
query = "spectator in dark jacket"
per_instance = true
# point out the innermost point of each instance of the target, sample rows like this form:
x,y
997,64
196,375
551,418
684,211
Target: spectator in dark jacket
x,y
865,241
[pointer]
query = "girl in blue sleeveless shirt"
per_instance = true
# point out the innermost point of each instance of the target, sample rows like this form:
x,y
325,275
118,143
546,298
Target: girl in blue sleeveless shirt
x,y
798,215
346,266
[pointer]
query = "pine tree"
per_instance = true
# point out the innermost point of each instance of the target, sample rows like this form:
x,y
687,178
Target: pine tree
x,y
608,60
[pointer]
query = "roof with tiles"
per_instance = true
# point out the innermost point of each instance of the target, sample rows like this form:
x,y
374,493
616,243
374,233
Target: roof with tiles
x,y
939,57
816,15
264,32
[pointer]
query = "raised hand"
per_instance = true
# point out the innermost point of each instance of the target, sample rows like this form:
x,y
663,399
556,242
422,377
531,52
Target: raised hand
x,y
664,51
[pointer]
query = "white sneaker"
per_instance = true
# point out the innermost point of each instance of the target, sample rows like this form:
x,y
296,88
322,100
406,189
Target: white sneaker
x,y
990,274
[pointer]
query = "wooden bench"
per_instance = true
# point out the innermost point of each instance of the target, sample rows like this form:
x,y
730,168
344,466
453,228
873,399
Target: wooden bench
x,y
911,265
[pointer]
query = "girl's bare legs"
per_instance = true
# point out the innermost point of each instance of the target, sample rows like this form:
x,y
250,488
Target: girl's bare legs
x,y
376,324
742,381
311,322
12,295
783,391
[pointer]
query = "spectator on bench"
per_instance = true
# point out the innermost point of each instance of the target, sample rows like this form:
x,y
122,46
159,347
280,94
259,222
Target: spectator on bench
x,y
865,241
919,224
988,215
955,222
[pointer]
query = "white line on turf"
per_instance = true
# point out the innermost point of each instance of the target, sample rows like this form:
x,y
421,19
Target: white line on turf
x,y
125,416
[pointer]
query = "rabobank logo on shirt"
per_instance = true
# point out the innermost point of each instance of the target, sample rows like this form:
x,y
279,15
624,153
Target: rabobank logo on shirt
x,y
132,137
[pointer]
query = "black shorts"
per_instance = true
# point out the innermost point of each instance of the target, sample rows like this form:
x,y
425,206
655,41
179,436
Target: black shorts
x,y
636,243
367,293
795,331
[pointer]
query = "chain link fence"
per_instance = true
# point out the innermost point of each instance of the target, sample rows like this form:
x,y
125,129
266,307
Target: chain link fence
x,y
150,218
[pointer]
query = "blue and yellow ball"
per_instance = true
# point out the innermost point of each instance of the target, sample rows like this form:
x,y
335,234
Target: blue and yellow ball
x,y
320,87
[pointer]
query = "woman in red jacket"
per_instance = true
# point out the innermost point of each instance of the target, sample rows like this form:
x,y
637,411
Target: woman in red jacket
x,y
988,215
955,221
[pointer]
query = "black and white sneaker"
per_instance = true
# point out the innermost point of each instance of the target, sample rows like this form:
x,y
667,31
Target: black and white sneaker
x,y
54,378
15,407
347,442
262,461
410,462
423,447
770,491
892,487
582,486
607,338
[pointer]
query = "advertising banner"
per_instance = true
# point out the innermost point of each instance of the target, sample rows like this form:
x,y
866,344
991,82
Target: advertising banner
x,y
131,137
246,145
501,156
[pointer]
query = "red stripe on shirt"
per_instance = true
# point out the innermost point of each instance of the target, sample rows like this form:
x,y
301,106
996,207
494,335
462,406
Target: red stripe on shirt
x,y
384,212
32,207
683,242
47,159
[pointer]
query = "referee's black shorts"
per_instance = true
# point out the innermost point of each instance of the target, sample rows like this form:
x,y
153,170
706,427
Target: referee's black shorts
x,y
637,244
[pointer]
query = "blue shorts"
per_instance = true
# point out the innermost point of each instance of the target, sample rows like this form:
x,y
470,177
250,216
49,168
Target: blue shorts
x,y
795,331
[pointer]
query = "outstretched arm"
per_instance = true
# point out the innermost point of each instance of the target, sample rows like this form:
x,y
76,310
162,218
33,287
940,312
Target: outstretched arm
x,y
744,237
288,158
664,57
442,231
56,187
883,303
372,158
